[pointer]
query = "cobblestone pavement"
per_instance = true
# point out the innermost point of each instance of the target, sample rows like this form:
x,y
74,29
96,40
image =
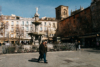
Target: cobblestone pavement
x,y
83,58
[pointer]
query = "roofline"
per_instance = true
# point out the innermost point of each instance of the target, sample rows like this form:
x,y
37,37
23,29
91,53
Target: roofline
x,y
60,6
76,13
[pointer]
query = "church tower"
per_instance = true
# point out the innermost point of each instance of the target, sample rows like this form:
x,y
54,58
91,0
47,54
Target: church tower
x,y
61,12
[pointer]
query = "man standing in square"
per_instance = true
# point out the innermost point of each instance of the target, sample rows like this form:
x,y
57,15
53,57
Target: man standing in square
x,y
42,52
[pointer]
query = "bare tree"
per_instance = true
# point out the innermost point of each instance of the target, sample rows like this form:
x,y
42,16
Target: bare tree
x,y
2,25
19,33
1,20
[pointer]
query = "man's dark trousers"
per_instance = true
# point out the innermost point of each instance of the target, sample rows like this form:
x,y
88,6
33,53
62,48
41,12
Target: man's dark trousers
x,y
44,57
41,55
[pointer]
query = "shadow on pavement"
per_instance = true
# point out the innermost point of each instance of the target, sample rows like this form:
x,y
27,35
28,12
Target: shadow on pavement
x,y
33,60
68,61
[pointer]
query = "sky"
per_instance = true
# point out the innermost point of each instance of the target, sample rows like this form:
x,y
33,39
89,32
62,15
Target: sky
x,y
27,8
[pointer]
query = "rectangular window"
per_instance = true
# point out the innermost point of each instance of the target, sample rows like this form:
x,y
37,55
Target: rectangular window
x,y
27,28
6,25
17,29
12,23
45,24
12,29
17,23
40,28
49,24
53,24
27,35
45,28
22,28
16,34
23,23
27,23
31,28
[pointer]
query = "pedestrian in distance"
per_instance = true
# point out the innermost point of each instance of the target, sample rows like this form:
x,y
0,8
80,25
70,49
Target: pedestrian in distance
x,y
76,44
42,52
79,46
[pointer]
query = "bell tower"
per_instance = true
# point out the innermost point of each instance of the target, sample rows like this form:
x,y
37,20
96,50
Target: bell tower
x,y
61,12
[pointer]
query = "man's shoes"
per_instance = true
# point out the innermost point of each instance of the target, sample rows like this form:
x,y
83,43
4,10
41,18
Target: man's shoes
x,y
45,62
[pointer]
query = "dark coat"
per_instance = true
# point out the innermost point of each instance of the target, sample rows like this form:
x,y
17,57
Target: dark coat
x,y
46,49
42,49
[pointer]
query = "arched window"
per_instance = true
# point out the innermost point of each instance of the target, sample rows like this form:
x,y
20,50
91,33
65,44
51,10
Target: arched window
x,y
65,11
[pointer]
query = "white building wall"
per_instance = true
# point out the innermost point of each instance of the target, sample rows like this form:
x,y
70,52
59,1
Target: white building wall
x,y
29,25
50,27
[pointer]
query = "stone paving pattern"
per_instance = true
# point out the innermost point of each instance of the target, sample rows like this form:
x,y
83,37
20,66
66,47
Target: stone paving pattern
x,y
80,58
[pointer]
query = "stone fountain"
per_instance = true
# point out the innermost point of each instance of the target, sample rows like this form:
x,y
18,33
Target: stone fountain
x,y
36,36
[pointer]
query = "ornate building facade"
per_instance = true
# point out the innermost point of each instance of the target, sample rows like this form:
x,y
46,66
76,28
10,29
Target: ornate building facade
x,y
15,27
48,26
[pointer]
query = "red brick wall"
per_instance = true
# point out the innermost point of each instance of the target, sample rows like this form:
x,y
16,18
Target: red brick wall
x,y
78,24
